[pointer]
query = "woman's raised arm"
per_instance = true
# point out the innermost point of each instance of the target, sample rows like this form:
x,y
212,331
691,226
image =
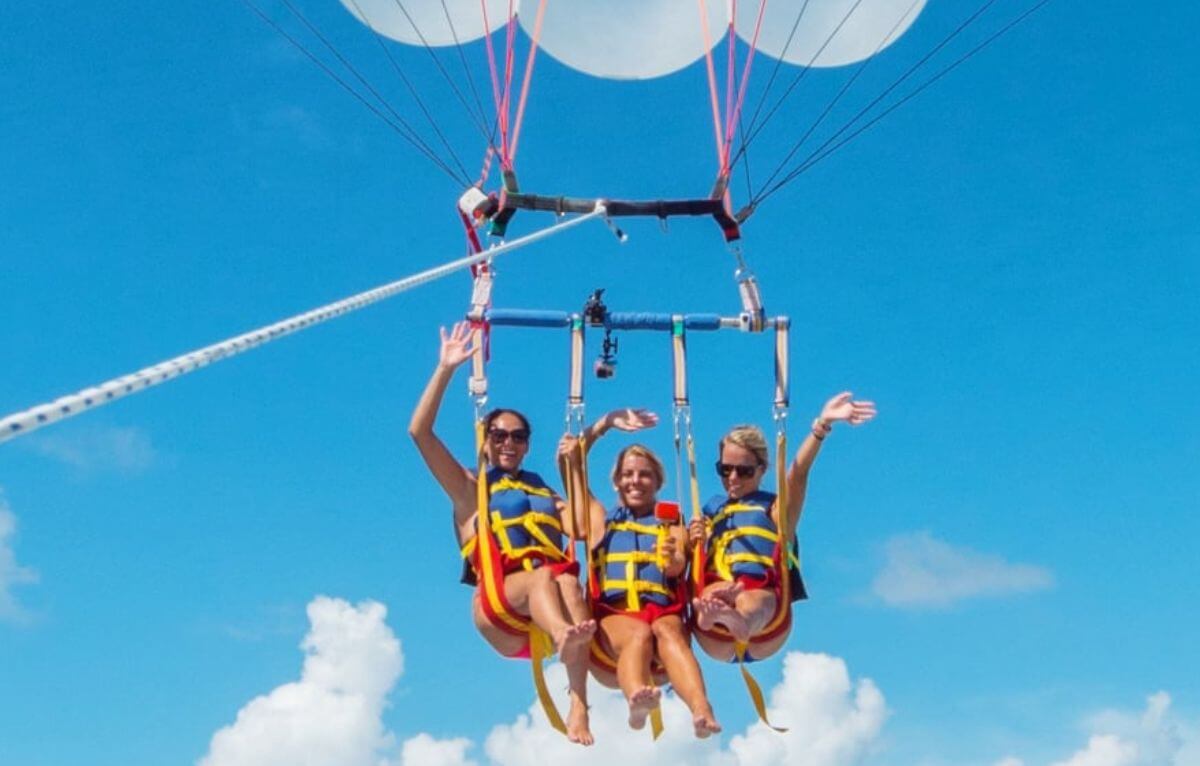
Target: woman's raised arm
x,y
842,408
457,481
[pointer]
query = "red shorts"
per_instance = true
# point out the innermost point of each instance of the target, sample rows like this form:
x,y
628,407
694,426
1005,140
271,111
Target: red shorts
x,y
649,613
748,582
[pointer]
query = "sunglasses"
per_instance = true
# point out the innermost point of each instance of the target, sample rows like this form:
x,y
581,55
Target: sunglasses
x,y
728,469
518,435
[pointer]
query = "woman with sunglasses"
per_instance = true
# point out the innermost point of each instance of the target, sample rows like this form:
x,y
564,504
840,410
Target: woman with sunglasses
x,y
540,584
741,602
638,592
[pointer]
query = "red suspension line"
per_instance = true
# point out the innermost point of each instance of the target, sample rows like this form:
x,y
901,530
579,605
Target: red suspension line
x,y
491,57
731,126
509,48
712,79
533,48
730,68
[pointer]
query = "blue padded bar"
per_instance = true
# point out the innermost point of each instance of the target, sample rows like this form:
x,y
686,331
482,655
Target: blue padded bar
x,y
624,320
527,318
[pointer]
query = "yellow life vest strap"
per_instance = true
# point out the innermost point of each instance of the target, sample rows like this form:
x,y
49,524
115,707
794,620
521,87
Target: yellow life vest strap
x,y
532,523
733,508
722,559
632,586
508,482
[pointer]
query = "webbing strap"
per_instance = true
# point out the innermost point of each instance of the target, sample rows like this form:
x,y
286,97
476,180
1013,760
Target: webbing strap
x,y
540,646
656,722
540,649
756,693
491,576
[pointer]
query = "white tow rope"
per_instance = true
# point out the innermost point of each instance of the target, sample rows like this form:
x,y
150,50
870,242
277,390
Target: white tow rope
x,y
20,423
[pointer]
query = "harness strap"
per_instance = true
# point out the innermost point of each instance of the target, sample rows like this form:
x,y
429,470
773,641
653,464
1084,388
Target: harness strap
x,y
492,581
756,693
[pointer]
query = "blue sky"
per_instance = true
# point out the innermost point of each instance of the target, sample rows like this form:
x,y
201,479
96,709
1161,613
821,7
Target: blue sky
x,y
1002,565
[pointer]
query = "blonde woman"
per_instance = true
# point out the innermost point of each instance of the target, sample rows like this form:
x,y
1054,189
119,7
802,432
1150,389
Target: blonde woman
x,y
742,597
637,587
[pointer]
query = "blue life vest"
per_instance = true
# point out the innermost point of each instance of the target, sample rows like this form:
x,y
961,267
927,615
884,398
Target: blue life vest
x,y
630,569
743,536
523,516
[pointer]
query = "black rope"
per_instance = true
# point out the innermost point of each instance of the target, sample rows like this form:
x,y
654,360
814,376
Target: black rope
x,y
480,126
412,90
362,80
838,96
778,64
483,117
821,153
402,129
796,80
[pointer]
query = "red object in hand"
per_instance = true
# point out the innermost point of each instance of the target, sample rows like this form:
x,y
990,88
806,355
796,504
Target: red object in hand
x,y
666,512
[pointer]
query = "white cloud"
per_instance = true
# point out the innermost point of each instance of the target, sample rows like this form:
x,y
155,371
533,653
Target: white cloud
x,y
12,574
922,571
332,715
424,750
832,721
1152,737
1104,750
124,450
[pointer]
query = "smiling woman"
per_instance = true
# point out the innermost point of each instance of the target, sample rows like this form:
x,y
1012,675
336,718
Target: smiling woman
x,y
510,526
749,573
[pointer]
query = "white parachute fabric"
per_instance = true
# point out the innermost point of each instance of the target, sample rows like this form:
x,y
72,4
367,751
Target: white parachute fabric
x,y
862,32
643,39
431,22
627,39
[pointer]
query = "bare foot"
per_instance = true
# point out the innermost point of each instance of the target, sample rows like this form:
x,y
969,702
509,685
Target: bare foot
x,y
578,729
728,592
705,723
641,703
711,611
572,640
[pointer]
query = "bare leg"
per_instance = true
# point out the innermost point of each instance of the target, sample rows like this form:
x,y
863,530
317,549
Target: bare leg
x,y
713,610
757,607
633,643
505,643
675,652
543,594
573,651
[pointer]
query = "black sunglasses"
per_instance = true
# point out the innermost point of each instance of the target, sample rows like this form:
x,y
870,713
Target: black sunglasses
x,y
499,435
728,469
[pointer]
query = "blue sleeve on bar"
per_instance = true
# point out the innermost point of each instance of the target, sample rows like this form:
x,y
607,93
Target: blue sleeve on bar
x,y
618,320
702,321
528,318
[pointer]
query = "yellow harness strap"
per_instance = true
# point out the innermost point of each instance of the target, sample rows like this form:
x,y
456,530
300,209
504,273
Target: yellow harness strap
x,y
540,646
781,564
656,723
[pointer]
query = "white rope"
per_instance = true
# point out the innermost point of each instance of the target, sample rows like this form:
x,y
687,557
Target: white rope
x,y
34,418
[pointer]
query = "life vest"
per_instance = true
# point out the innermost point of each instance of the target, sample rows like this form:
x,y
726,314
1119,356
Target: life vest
x,y
630,570
744,541
523,519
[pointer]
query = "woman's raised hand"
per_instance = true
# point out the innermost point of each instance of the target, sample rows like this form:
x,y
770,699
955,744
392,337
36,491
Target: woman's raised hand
x,y
844,408
632,419
568,448
456,345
